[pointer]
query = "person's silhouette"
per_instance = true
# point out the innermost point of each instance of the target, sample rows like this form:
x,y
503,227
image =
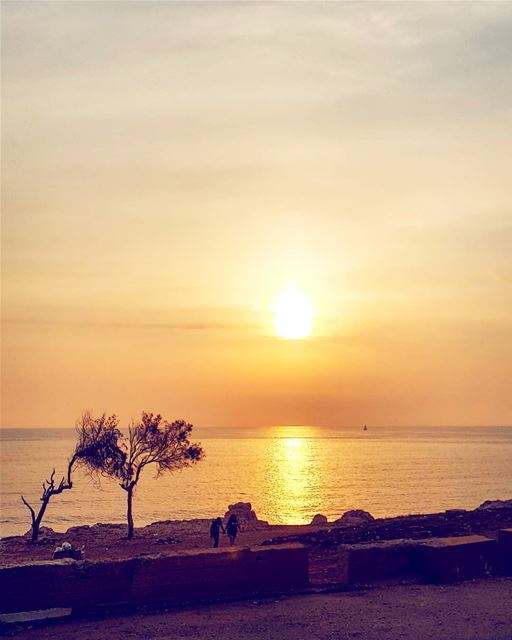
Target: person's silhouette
x,y
232,529
215,528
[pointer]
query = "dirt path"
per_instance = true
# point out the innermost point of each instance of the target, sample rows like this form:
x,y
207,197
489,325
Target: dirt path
x,y
469,611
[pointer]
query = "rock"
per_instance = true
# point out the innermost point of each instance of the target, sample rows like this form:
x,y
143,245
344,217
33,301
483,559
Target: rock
x,y
355,518
244,512
47,536
44,532
319,518
495,504
79,529
167,540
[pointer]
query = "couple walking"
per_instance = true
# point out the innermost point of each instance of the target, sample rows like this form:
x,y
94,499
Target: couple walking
x,y
232,529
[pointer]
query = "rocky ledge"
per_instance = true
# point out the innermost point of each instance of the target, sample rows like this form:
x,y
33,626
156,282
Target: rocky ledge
x,y
359,526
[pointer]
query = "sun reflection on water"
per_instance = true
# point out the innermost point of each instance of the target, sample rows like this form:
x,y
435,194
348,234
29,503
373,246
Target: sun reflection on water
x,y
292,475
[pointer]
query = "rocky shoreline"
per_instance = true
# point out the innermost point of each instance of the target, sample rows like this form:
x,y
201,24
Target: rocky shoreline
x,y
486,519
108,541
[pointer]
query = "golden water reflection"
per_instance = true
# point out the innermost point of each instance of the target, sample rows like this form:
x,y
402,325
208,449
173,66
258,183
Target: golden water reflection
x,y
287,473
293,474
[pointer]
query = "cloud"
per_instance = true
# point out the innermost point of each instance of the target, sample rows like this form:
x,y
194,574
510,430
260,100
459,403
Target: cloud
x,y
178,319
171,166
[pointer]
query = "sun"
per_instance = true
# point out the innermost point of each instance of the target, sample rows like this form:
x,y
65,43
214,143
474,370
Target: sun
x,y
293,315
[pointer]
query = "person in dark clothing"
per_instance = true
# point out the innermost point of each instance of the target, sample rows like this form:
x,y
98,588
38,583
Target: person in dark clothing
x,y
215,529
232,529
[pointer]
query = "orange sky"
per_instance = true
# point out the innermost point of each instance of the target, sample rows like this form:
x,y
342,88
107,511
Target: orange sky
x,y
168,169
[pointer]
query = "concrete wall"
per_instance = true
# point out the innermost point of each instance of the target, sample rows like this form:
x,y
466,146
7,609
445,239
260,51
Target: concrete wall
x,y
505,549
166,579
432,560
362,563
460,558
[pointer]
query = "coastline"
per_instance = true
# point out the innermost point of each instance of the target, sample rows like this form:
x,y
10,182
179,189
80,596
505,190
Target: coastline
x,y
289,478
108,541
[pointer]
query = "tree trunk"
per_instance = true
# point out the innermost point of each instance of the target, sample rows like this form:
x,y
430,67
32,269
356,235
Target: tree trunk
x,y
129,514
36,522
35,531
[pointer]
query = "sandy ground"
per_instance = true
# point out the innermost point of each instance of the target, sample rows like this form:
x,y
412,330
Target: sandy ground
x,y
469,611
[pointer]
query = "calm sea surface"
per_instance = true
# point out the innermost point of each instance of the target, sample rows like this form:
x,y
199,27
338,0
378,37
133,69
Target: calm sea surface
x,y
288,473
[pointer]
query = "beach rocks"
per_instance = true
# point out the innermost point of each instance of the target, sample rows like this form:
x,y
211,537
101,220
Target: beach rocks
x,y
83,528
319,518
355,518
495,504
106,526
167,540
243,511
43,532
46,535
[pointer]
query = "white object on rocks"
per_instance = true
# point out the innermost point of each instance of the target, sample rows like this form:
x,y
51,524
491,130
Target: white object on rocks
x,y
66,550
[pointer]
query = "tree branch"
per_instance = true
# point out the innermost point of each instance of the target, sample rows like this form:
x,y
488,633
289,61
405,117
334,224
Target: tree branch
x,y
32,512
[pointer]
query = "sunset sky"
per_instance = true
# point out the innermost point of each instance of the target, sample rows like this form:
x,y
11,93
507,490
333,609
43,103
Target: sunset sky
x,y
169,169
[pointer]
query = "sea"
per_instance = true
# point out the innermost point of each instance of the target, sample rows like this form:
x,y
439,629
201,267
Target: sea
x,y
287,473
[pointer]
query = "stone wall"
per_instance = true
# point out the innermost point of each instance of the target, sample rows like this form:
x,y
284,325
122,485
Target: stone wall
x,y
460,558
363,563
188,577
505,549
434,560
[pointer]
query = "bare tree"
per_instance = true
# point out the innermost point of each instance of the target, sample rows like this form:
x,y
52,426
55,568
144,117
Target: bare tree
x,y
50,489
153,440
96,440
